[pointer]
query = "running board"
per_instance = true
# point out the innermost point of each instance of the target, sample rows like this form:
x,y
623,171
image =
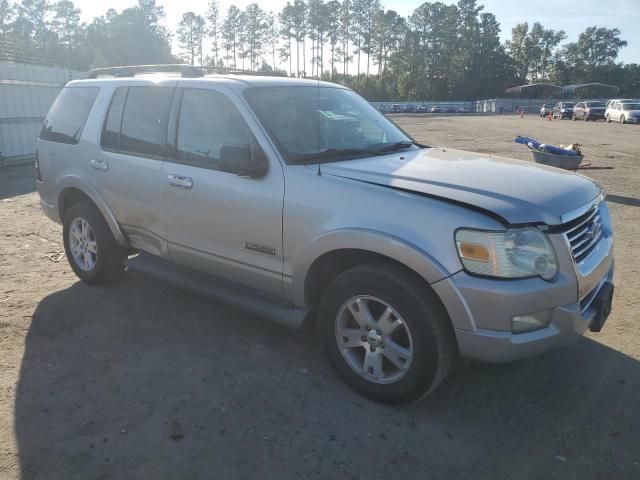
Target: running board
x,y
218,290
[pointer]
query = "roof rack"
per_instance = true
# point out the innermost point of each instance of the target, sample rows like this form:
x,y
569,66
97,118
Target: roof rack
x,y
186,71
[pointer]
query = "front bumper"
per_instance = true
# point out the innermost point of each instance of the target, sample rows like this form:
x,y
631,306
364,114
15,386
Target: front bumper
x,y
482,309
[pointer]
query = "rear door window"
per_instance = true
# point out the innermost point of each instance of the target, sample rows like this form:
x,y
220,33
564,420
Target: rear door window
x,y
111,130
68,115
144,121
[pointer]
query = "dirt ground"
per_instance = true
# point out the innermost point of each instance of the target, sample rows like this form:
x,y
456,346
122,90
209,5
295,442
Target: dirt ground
x,y
140,380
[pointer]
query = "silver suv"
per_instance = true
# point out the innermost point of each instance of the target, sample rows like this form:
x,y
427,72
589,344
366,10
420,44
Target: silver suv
x,y
298,201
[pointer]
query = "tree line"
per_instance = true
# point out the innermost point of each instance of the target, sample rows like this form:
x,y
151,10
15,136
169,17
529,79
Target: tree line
x,y
438,52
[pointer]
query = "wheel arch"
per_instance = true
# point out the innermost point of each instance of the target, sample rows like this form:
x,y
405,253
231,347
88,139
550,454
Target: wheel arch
x,y
333,253
72,190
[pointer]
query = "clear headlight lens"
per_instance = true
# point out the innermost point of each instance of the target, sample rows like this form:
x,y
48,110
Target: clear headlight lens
x,y
513,253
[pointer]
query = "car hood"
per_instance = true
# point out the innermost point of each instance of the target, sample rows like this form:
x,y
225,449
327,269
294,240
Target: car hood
x,y
518,192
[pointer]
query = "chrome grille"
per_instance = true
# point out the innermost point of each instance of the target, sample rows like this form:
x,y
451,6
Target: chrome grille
x,y
584,233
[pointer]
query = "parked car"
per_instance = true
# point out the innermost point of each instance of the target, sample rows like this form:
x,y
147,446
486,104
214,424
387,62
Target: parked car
x,y
396,108
588,110
235,188
462,110
450,109
409,109
563,110
623,112
613,100
544,111
435,109
382,108
423,109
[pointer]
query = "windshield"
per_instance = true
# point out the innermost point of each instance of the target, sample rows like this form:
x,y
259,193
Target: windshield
x,y
567,105
336,123
595,104
631,106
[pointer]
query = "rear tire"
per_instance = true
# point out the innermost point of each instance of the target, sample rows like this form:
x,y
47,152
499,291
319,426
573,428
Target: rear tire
x,y
406,346
92,251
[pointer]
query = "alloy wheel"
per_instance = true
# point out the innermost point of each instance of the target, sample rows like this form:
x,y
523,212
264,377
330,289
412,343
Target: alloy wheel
x,y
374,339
83,244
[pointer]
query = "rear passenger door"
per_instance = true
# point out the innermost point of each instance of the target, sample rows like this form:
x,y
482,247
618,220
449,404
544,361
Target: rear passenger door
x,y
128,167
218,222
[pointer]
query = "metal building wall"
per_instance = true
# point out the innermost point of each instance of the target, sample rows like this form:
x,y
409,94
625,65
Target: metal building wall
x,y
26,93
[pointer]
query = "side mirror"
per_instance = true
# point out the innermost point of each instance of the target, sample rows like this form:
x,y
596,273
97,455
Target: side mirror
x,y
237,158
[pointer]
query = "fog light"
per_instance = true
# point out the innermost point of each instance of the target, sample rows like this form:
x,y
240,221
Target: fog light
x,y
530,322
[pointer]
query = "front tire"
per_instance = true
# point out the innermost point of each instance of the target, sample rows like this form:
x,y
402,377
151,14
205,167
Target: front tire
x,y
93,253
607,119
622,120
386,333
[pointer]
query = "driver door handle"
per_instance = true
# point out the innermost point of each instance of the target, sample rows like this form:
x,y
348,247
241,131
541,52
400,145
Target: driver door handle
x,y
180,181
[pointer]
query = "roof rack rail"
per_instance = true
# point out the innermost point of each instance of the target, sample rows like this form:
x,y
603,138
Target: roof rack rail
x,y
238,71
186,71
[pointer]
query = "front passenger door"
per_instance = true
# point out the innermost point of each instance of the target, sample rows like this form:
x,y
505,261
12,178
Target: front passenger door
x,y
218,222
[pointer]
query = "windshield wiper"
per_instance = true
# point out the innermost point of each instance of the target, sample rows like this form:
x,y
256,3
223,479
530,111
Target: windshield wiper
x,y
400,146
338,153
333,154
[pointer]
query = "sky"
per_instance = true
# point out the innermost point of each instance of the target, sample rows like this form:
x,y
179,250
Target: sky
x,y
572,16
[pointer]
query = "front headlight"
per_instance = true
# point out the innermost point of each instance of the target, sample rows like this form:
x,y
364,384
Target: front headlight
x,y
513,253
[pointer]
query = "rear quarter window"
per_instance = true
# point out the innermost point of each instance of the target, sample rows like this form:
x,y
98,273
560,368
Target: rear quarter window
x,y
68,114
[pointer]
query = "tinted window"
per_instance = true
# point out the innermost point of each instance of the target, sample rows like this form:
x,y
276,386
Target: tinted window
x,y
208,120
144,121
68,114
111,130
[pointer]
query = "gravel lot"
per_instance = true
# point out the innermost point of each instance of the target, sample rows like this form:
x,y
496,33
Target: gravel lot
x,y
139,380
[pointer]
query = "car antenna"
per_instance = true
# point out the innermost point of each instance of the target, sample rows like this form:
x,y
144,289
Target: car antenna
x,y
318,110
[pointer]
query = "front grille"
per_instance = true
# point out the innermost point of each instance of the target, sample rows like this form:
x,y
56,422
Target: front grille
x,y
584,233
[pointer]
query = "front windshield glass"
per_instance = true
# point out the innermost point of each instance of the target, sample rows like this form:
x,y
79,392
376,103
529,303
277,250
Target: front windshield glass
x,y
631,106
567,105
307,123
595,104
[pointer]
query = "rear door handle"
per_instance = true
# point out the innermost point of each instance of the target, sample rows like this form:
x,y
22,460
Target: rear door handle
x,y
179,181
99,165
